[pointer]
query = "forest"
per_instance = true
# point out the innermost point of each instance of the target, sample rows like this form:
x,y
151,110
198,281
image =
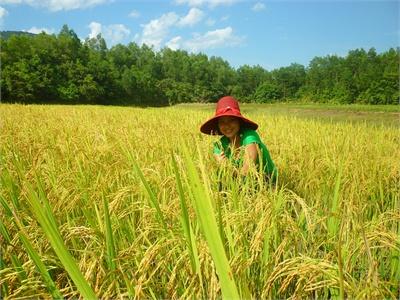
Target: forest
x,y
62,69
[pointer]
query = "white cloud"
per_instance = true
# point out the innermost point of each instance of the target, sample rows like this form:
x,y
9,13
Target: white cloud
x,y
113,33
210,22
11,1
210,3
224,18
40,30
157,30
174,43
56,5
259,6
3,13
194,16
213,39
191,2
95,29
134,14
157,33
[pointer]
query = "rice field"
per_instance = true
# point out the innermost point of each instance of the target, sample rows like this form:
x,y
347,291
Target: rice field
x,y
116,202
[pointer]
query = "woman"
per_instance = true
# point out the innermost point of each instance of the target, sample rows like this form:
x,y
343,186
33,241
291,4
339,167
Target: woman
x,y
240,143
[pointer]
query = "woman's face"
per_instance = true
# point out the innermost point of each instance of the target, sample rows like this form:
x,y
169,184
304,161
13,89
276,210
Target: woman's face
x,y
229,126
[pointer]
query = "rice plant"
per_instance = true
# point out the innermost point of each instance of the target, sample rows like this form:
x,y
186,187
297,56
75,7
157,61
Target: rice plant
x,y
99,202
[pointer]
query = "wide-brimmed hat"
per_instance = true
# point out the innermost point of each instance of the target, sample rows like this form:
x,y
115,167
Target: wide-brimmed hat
x,y
226,106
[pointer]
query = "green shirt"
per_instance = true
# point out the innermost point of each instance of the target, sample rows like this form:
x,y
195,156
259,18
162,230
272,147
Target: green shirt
x,y
247,137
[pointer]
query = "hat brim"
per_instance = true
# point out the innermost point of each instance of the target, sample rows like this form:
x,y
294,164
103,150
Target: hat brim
x,y
211,126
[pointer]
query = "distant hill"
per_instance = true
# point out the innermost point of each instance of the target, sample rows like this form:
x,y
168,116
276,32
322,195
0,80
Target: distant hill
x,y
7,34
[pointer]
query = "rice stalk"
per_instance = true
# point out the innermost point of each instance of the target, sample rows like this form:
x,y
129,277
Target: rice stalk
x,y
40,208
51,286
110,253
206,216
185,221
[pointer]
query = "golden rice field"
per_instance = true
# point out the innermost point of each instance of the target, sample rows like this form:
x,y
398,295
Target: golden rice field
x,y
115,202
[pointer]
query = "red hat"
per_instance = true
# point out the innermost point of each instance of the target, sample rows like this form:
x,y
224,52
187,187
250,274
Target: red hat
x,y
226,106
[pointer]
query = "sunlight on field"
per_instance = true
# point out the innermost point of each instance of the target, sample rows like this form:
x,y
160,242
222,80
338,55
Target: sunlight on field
x,y
106,201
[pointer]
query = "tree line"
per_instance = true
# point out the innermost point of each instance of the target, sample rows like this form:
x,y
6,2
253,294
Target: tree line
x,y
61,68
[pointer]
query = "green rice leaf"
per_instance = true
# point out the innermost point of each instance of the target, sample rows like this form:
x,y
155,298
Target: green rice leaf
x,y
47,222
208,223
51,286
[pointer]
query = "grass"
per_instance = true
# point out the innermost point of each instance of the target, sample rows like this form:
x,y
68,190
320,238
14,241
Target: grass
x,y
115,202
335,107
388,115
286,106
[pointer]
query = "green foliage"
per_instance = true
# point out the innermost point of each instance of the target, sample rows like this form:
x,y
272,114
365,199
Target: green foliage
x,y
9,33
289,80
176,92
60,68
248,79
267,92
360,77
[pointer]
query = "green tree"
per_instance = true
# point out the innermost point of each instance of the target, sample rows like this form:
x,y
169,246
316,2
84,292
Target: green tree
x,y
60,68
176,65
327,80
267,92
142,89
248,79
176,92
289,80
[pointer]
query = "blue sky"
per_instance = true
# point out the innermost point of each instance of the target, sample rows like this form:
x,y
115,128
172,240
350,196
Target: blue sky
x,y
271,34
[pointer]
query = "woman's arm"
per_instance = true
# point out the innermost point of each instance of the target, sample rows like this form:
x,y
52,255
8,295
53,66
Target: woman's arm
x,y
250,157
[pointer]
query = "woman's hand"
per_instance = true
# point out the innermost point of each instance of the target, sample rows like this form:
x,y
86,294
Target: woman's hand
x,y
220,157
